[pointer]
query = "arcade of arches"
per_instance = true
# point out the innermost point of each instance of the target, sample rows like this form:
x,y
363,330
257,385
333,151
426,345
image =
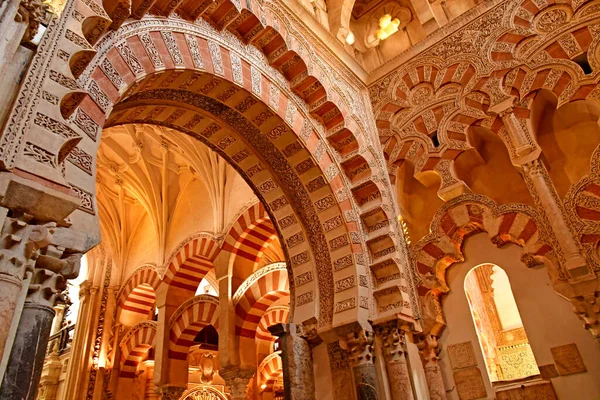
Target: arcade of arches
x,y
299,199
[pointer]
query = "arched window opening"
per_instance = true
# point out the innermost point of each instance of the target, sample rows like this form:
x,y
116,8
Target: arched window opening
x,y
506,350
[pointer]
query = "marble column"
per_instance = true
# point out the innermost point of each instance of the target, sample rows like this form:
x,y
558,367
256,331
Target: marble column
x,y
429,350
10,287
20,242
28,352
81,346
296,357
394,351
525,152
545,194
359,346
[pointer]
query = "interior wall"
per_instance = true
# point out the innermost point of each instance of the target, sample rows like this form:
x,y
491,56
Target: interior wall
x,y
547,318
487,169
143,248
417,203
568,136
239,194
194,213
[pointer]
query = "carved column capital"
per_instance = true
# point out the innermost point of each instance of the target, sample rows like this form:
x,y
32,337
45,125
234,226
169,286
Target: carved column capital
x,y
237,380
429,348
506,112
587,309
535,168
393,340
359,346
169,392
520,139
31,12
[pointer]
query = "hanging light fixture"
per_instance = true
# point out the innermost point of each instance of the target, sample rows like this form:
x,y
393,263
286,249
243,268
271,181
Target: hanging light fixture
x,y
387,27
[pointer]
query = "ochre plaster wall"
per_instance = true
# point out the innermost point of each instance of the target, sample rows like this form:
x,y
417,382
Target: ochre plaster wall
x,y
548,319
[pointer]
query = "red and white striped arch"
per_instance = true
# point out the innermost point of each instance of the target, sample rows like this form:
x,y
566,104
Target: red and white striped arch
x,y
190,262
138,294
269,371
250,233
264,339
256,295
189,319
135,346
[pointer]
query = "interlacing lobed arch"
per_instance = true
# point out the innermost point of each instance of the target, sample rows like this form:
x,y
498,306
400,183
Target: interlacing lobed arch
x,y
465,216
446,90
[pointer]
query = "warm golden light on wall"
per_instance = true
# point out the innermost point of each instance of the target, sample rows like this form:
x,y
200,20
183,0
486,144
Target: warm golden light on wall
x,y
350,38
55,6
387,27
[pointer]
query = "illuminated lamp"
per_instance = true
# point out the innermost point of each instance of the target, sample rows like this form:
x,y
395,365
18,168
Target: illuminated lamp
x,y
350,38
387,27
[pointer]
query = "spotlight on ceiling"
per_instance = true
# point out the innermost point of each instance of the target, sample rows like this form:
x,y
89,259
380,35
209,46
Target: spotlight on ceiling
x,y
387,27
350,38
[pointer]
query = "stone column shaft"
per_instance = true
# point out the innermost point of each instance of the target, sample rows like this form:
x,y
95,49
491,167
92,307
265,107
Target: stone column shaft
x,y
360,353
429,350
28,352
296,357
396,363
10,288
543,190
546,194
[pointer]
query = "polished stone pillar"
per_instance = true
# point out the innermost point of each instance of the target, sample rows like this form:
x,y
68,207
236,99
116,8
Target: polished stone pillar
x,y
19,243
28,352
392,338
10,287
82,345
525,152
359,346
296,357
429,350
545,193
